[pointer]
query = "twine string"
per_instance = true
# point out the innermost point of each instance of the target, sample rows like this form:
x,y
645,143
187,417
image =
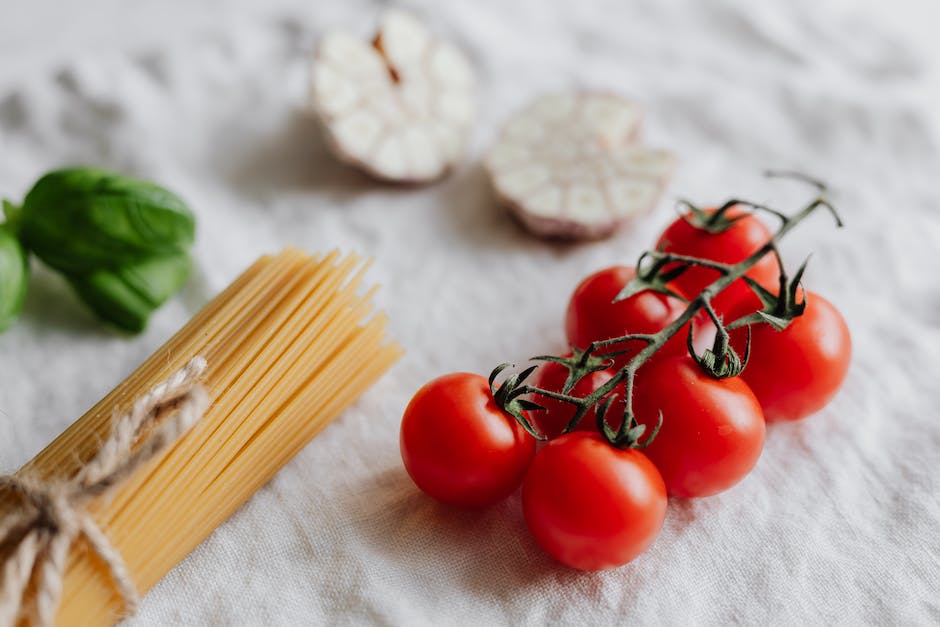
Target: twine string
x,y
38,535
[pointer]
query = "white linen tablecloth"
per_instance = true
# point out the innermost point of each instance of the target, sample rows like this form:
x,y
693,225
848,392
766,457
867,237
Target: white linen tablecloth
x,y
840,521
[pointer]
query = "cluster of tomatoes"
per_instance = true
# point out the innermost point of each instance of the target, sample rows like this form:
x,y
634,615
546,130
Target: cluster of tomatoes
x,y
588,501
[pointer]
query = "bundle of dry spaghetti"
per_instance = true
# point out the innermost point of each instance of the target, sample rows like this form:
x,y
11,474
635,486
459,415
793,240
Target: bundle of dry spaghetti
x,y
289,345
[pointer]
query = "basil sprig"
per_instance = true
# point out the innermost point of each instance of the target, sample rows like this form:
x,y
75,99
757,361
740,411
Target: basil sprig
x,y
122,243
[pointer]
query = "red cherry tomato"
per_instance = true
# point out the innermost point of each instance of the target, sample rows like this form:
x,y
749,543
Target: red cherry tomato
x,y
795,372
712,431
459,446
551,422
592,314
744,237
590,505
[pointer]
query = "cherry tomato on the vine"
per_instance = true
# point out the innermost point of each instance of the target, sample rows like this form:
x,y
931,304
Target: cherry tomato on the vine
x,y
557,414
592,315
590,505
796,371
712,432
459,446
744,237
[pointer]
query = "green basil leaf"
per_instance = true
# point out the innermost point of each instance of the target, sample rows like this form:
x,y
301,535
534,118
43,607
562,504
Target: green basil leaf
x,y
80,220
127,296
14,275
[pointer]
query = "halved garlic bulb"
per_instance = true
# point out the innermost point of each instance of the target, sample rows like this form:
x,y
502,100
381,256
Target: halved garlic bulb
x,y
568,165
399,107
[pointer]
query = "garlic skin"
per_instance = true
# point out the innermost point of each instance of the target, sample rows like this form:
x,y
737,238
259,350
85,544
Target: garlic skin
x,y
568,165
400,107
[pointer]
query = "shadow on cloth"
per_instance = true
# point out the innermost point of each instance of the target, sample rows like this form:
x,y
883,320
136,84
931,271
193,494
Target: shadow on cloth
x,y
489,550
296,157
476,216
51,303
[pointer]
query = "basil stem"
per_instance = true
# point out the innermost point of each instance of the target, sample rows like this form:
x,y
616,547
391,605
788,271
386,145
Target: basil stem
x,y
14,275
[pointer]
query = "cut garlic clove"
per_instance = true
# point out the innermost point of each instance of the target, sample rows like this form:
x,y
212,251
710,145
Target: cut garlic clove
x,y
567,165
421,152
449,66
339,94
547,201
355,57
632,192
403,39
358,133
399,108
390,159
643,162
611,119
508,155
449,141
525,180
555,107
587,202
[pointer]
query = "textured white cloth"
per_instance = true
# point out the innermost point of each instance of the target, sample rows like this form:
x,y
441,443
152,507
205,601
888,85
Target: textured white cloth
x,y
840,521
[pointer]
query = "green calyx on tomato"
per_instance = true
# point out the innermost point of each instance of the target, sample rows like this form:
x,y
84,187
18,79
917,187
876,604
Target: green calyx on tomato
x,y
721,361
509,396
579,364
778,309
715,221
654,276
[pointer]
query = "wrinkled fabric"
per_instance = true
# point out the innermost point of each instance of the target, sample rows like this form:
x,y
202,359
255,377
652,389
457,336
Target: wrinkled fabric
x,y
838,524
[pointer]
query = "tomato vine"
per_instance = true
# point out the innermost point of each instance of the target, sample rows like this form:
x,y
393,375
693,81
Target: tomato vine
x,y
655,271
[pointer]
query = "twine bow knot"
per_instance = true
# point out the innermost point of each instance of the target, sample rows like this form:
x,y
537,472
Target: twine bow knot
x,y
38,535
